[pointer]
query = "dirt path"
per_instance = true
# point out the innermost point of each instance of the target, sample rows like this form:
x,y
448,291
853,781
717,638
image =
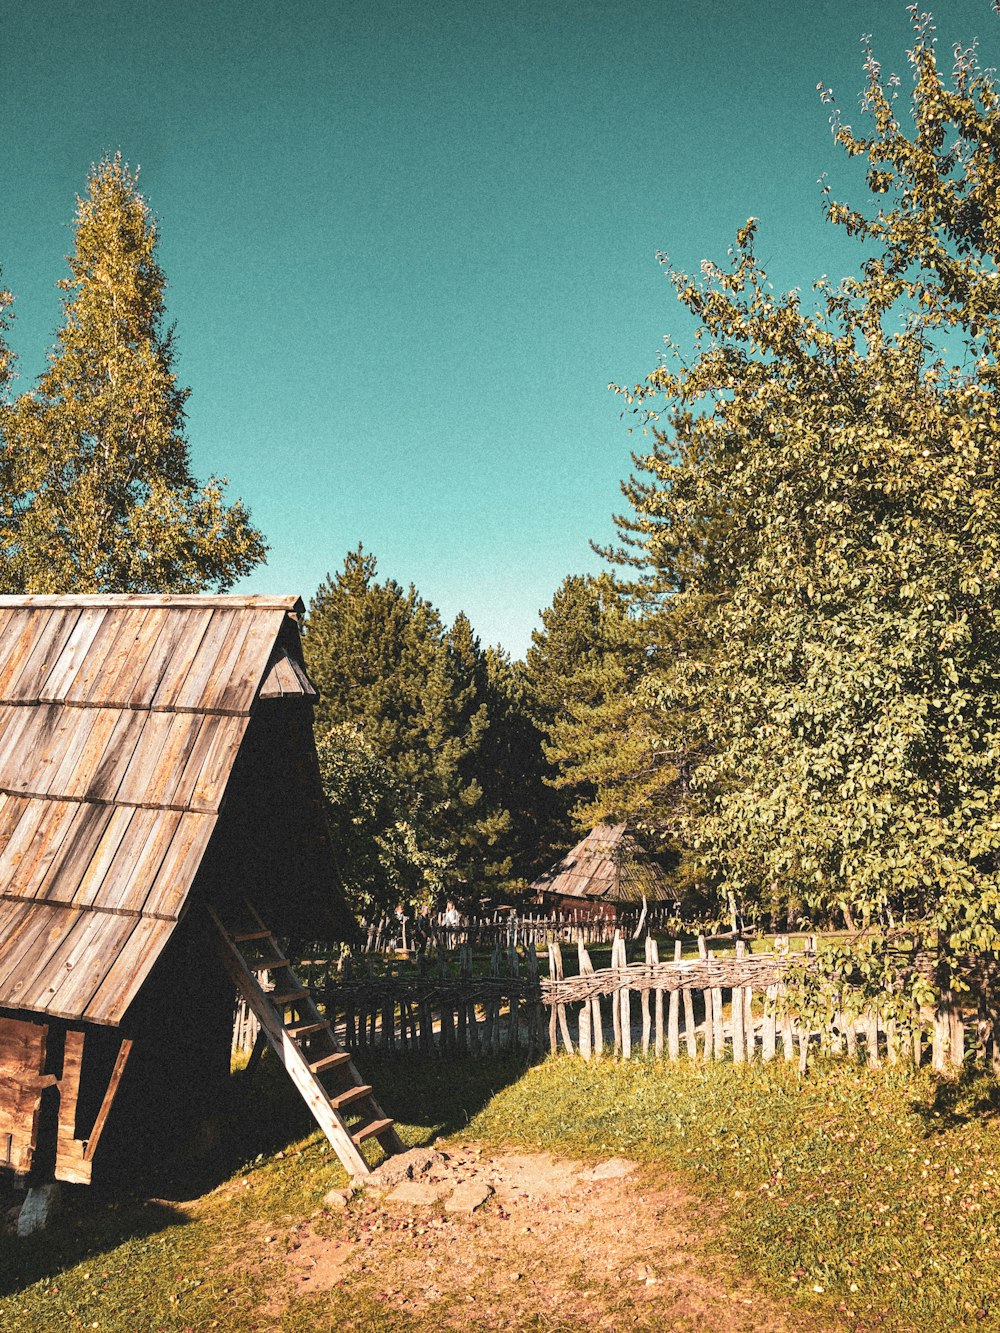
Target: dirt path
x,y
468,1240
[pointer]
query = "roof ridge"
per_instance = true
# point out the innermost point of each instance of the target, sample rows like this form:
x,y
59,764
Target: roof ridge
x,y
256,601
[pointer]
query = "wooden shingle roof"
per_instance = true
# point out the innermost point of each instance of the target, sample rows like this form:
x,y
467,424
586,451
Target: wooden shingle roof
x,y
120,720
607,865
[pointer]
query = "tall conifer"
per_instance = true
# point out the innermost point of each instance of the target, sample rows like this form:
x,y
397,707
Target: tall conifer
x,y
105,496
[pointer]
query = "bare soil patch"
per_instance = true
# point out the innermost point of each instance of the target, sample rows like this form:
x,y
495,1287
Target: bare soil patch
x,y
467,1239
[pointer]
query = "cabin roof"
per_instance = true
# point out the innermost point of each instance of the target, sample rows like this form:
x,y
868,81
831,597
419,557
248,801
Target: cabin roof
x,y
120,720
608,865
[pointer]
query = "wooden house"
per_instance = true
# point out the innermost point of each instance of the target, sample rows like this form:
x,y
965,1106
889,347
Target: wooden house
x,y
157,770
606,870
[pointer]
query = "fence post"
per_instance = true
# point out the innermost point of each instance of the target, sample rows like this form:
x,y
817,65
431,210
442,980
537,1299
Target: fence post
x,y
644,1000
583,1026
739,1040
673,1014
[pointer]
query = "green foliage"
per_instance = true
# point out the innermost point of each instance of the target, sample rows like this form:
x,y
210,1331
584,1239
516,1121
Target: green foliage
x,y
417,695
816,528
378,856
98,479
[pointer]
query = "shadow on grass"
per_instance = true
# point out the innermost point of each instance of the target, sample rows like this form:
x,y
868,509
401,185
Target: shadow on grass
x,y
973,1095
88,1228
430,1098
262,1115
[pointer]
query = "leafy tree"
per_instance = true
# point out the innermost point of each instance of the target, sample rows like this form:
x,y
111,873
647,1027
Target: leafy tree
x,y
376,846
104,497
817,518
384,663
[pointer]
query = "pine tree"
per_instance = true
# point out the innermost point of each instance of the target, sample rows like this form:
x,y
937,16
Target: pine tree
x,y
105,499
386,665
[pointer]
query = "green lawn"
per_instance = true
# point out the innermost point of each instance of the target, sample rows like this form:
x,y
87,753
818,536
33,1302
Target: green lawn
x,y
870,1195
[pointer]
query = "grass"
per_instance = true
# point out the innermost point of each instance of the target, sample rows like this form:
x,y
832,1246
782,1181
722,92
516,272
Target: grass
x,y
872,1196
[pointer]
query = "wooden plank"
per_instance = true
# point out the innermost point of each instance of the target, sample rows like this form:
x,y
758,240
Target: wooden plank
x,y
15,722
93,875
18,845
9,617
127,973
190,771
224,624
214,776
50,836
178,667
227,662
281,680
58,773
248,675
136,787
117,690
58,730
22,1058
182,736
138,871
76,775
119,889
102,660
70,1165
94,1138
55,926
75,852
73,973
114,763
180,865
40,635
103,687
167,642
68,662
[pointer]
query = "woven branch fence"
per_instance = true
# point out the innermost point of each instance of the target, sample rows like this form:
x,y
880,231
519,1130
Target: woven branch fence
x,y
716,1006
738,1005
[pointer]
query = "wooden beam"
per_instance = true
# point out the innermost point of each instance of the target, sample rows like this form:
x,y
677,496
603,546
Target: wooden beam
x,y
124,1051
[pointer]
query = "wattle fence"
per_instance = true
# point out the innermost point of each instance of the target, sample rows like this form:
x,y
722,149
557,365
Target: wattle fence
x,y
736,1005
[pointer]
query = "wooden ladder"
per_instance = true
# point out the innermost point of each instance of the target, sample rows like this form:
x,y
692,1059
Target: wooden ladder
x,y
344,1108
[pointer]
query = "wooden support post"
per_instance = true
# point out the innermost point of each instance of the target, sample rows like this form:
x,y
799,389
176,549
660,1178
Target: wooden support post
x,y
871,1037
718,1023
94,1138
673,1017
644,1001
625,999
616,1012
748,1031
736,1010
770,1035
553,1020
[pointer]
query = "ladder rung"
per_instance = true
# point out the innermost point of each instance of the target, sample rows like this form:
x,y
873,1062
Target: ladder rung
x,y
329,1062
248,935
286,997
370,1130
297,1030
351,1095
269,964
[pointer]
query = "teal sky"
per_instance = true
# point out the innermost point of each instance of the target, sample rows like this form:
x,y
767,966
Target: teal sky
x,y
409,245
